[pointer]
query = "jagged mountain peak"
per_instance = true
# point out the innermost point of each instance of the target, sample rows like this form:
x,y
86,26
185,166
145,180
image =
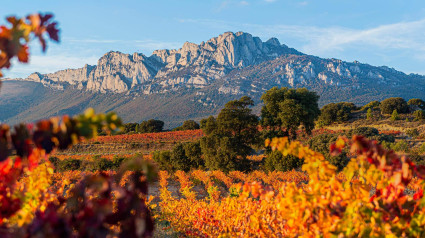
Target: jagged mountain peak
x,y
229,57
196,80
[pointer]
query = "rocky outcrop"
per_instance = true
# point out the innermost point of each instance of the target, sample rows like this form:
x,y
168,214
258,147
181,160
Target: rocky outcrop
x,y
233,63
191,65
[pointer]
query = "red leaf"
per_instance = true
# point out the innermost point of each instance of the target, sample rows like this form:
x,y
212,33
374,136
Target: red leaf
x,y
23,54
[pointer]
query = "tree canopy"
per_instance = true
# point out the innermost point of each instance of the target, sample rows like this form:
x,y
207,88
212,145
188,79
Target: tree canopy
x,y
286,109
229,138
390,104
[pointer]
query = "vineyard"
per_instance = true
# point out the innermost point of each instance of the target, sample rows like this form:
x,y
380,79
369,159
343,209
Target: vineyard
x,y
160,137
59,179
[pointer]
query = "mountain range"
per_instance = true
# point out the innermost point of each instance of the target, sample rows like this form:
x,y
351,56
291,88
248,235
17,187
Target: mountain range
x,y
196,80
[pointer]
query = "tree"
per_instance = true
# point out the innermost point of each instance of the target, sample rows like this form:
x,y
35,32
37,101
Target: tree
x,y
419,115
188,125
371,105
336,112
130,127
286,109
395,116
229,138
369,114
150,126
390,104
321,144
417,102
277,161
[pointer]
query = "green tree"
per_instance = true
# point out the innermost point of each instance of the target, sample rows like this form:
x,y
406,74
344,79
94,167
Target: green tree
x,y
150,126
229,138
417,102
390,104
286,109
336,112
321,143
129,127
188,125
395,116
419,115
369,114
277,161
372,105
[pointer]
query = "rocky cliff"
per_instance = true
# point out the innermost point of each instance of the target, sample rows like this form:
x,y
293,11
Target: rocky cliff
x,y
207,75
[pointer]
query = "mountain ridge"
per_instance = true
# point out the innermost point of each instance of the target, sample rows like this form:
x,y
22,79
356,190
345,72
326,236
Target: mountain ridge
x,y
207,75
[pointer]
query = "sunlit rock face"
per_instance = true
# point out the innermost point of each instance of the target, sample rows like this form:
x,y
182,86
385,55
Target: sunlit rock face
x,y
236,63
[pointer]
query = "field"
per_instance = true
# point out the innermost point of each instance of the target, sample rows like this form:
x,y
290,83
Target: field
x,y
203,203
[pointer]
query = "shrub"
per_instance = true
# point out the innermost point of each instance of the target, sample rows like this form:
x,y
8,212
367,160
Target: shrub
x,y
364,131
321,144
369,114
422,148
69,165
194,154
163,159
117,161
395,116
390,104
54,160
150,126
400,146
277,161
419,115
336,112
412,132
371,133
373,105
416,102
104,164
188,125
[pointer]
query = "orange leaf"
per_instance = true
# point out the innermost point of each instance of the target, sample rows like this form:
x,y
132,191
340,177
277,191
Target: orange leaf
x,y
23,54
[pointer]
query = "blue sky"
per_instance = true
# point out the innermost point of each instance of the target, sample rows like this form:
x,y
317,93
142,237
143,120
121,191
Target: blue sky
x,y
377,32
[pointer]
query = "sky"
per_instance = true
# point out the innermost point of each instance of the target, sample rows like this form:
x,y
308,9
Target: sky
x,y
377,32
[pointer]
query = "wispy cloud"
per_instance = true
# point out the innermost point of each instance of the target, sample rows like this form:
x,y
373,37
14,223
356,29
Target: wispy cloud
x,y
318,40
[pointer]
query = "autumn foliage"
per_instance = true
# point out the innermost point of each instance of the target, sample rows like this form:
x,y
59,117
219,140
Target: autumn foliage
x,y
321,204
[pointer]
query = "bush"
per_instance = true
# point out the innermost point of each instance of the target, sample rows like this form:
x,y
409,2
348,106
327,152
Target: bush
x,y
417,103
183,157
371,133
68,165
321,144
369,114
150,126
395,116
336,112
419,115
401,146
54,160
412,132
277,161
188,125
422,148
390,104
194,154
163,159
371,105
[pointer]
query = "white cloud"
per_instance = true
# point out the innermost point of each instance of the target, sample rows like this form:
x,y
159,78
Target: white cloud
x,y
318,40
